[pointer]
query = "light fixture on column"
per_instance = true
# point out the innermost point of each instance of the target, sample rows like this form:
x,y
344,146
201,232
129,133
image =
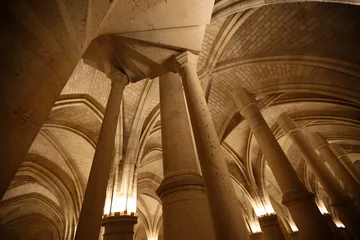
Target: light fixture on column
x,y
263,208
338,223
254,226
152,238
293,226
322,207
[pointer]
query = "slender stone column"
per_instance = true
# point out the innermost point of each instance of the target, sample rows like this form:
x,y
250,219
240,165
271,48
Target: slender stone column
x,y
344,175
185,206
224,206
295,197
257,236
271,228
348,212
119,227
350,166
94,199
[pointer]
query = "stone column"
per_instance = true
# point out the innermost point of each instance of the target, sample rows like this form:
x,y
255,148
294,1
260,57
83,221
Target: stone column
x,y
119,227
348,212
92,209
294,236
271,228
295,197
185,206
350,166
224,206
344,175
257,236
332,225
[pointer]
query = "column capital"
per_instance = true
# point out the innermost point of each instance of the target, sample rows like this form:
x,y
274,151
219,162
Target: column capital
x,y
243,99
339,152
115,74
119,77
293,197
184,59
317,140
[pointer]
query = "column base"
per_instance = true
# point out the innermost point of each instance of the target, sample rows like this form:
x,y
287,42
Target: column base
x,y
185,206
180,182
332,226
307,216
294,235
119,227
271,228
257,236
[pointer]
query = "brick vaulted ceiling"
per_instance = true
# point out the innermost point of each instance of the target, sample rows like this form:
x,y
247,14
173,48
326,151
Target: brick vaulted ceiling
x,y
302,58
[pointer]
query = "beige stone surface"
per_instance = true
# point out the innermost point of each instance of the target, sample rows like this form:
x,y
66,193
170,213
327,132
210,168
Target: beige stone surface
x,y
300,58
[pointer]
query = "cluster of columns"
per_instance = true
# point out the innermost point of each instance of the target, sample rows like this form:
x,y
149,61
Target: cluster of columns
x,y
296,198
196,207
348,211
205,206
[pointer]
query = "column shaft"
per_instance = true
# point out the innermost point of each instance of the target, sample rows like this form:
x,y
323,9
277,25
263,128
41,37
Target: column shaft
x,y
186,212
344,175
295,197
348,211
271,228
225,209
33,73
94,199
350,166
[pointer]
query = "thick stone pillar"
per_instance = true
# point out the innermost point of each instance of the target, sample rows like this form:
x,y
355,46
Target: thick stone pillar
x,y
271,228
119,227
294,236
295,197
224,206
350,166
349,214
36,62
344,175
92,209
332,226
185,206
257,236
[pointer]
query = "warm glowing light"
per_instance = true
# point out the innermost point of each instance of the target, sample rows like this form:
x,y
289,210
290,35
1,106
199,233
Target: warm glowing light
x,y
293,227
131,204
255,227
152,238
322,207
339,224
269,209
119,204
262,210
107,206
